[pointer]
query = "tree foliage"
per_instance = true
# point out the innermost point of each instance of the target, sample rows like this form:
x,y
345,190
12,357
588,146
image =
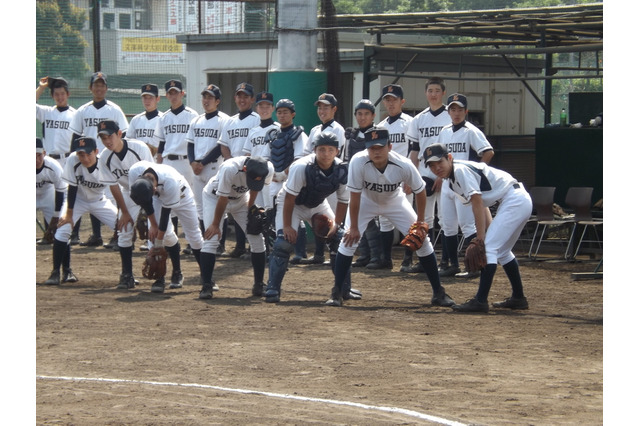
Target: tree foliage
x,y
59,43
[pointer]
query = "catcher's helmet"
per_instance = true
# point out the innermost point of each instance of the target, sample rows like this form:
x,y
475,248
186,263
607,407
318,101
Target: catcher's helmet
x,y
286,103
365,104
326,138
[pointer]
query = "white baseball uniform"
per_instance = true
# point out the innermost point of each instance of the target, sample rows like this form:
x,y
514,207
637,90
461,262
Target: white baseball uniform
x,y
203,134
236,131
172,131
459,139
257,146
56,130
85,121
231,182
114,170
143,127
382,195
48,182
423,131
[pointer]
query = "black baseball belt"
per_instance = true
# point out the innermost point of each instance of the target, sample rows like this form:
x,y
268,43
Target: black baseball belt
x,y
176,157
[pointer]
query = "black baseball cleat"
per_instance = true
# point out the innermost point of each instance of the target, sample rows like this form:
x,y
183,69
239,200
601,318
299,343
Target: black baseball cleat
x,y
472,305
442,299
112,244
74,240
158,286
272,296
361,262
468,275
93,241
334,301
69,277
449,271
187,250
126,282
206,292
237,252
380,264
512,303
258,289
314,260
54,278
176,280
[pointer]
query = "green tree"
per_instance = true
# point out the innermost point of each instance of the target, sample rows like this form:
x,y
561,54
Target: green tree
x,y
59,43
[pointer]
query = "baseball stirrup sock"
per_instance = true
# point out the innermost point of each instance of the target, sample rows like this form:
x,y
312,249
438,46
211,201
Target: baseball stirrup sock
x,y
196,254
96,226
207,264
342,270
513,273
452,250
59,250
126,255
174,255
258,260
387,244
486,279
430,265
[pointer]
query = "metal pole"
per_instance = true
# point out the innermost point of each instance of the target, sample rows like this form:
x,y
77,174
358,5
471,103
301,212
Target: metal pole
x,y
95,17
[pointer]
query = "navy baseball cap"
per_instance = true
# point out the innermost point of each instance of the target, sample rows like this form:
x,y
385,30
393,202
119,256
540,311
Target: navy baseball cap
x,y
108,127
376,136
55,82
365,104
326,138
457,99
246,88
213,90
39,146
149,89
286,103
393,90
264,97
257,170
141,192
173,85
87,145
326,98
98,76
435,152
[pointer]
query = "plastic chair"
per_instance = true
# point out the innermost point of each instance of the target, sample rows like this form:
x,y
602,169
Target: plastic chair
x,y
542,199
579,200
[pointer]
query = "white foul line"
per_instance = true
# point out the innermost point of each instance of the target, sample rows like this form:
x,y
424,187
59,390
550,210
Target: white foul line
x,y
269,394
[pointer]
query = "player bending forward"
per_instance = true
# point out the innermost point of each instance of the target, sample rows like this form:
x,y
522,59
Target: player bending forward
x,y
376,179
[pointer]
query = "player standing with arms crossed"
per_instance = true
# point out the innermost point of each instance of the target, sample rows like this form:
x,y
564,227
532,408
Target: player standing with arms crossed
x,y
376,180
85,194
461,139
85,123
232,141
423,130
481,186
396,124
115,161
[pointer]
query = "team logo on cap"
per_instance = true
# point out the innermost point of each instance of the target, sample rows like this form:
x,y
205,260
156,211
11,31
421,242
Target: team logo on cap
x,y
242,87
103,126
148,87
455,97
264,96
258,178
99,75
374,135
210,87
390,89
323,96
429,152
172,83
81,142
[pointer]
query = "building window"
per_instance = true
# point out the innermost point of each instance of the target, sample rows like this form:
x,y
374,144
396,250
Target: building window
x,y
123,4
109,21
124,19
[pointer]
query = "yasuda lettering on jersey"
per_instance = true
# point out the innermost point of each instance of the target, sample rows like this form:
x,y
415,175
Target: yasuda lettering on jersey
x,y
238,133
397,138
92,121
387,187
176,128
55,124
455,147
200,132
81,182
427,132
240,189
144,133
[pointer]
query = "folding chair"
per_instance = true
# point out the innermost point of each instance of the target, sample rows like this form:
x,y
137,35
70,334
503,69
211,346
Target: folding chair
x,y
579,200
542,199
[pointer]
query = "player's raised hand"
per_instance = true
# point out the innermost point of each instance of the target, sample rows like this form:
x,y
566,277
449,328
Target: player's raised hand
x,y
44,81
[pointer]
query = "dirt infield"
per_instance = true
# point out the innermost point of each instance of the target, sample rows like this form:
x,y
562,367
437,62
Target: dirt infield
x,y
115,357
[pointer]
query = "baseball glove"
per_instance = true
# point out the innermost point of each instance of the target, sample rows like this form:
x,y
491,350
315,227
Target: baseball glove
x,y
416,236
256,220
475,257
321,225
141,226
51,230
155,264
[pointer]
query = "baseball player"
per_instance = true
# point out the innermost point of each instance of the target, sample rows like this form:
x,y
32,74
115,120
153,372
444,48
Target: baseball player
x,y
480,186
205,155
50,189
56,123
396,124
85,123
257,143
160,187
115,161
287,145
233,190
462,139
376,180
370,247
327,107
142,127
311,180
85,194
233,139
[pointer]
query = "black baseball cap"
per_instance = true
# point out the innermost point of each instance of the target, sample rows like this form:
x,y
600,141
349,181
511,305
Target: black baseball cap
x,y
173,85
457,99
257,170
393,90
213,90
56,82
326,98
246,88
365,104
87,145
108,127
149,89
141,192
39,146
435,152
326,138
98,76
264,97
376,136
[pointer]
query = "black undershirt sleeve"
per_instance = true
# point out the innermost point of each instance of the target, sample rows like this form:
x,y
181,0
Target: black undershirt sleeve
x,y
164,219
59,200
71,196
